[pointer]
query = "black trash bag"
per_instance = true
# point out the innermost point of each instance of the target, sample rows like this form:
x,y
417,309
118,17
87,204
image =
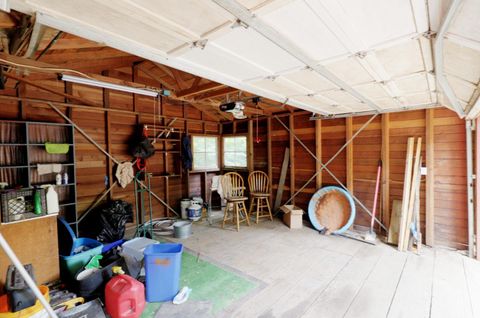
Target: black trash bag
x,y
113,220
107,224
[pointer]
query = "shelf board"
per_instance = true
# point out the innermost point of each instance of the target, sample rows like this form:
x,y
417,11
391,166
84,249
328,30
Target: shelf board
x,y
66,204
166,176
36,144
53,183
31,219
12,144
13,167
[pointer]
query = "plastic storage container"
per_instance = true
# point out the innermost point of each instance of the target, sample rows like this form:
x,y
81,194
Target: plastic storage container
x,y
74,252
163,263
124,297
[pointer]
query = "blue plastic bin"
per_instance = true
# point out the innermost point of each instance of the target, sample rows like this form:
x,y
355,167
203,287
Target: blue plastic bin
x,y
74,252
163,263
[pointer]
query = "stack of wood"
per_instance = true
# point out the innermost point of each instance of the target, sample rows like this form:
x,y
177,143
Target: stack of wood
x,y
406,231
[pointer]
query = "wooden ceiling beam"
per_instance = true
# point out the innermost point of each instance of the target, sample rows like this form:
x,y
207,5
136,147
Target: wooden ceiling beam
x,y
200,89
216,93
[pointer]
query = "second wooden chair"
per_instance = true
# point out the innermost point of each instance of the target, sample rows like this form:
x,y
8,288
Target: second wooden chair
x,y
258,183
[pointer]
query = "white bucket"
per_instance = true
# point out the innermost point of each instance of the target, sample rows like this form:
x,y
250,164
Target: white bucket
x,y
184,204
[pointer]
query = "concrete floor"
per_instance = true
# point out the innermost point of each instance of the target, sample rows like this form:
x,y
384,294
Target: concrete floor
x,y
306,274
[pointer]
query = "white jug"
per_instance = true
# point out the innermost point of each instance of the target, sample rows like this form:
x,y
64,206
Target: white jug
x,y
52,201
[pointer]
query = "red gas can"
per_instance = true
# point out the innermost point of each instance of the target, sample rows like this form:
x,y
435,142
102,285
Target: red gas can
x,y
124,297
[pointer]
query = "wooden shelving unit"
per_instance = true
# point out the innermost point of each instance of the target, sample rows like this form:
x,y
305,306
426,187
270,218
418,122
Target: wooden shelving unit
x,y
22,148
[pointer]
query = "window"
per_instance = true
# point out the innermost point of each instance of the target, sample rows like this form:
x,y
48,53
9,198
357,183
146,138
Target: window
x,y
235,152
205,153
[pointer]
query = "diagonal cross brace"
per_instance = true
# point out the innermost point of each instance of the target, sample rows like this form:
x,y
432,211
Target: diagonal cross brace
x,y
108,155
324,166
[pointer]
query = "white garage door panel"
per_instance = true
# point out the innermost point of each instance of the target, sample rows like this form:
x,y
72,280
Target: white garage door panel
x,y
462,62
350,71
310,80
402,59
299,24
252,46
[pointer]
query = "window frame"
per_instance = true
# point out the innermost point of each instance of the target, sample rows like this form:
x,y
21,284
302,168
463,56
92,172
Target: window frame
x,y
223,152
193,153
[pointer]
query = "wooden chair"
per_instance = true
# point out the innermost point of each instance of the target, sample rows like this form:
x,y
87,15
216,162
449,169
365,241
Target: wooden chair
x,y
233,190
258,183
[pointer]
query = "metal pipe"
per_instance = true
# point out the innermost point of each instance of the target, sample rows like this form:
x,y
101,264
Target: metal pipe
x,y
470,207
28,280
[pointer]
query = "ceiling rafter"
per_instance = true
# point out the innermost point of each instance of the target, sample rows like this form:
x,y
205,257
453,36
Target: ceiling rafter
x,y
199,89
216,93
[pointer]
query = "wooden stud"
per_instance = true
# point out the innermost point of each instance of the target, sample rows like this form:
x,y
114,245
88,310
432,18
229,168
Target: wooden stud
x,y
386,169
318,153
21,105
281,181
291,125
349,133
477,186
250,141
269,155
406,192
108,141
430,182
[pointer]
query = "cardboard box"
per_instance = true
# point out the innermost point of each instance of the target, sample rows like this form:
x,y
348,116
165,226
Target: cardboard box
x,y
292,216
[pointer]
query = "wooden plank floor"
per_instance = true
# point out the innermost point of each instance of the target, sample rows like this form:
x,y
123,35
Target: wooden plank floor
x,y
310,275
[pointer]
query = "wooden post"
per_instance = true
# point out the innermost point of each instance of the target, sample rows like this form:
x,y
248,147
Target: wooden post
x,y
477,186
269,155
21,105
250,155
349,133
318,152
430,184
386,169
109,166
291,125
68,89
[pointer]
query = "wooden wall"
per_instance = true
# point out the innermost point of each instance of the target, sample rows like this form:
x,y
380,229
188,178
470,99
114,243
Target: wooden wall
x,y
111,130
449,192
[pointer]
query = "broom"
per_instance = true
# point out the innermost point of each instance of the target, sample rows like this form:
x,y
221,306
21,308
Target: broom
x,y
371,235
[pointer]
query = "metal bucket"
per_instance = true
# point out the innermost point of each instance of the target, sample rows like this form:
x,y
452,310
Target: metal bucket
x,y
182,229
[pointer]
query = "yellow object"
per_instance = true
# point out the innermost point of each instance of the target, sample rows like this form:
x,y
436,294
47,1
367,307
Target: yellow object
x,y
69,304
30,311
118,270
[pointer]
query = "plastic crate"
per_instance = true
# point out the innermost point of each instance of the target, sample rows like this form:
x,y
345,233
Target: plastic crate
x,y
14,208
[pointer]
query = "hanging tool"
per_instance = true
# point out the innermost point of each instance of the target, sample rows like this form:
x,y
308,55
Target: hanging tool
x,y
371,235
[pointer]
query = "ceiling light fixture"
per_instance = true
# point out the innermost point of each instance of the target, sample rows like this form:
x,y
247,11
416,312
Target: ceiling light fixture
x,y
117,87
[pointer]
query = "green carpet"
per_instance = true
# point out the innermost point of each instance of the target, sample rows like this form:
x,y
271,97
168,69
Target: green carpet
x,y
209,282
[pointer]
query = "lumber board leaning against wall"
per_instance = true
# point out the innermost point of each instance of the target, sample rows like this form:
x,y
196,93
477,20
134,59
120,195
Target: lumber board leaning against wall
x,y
450,169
